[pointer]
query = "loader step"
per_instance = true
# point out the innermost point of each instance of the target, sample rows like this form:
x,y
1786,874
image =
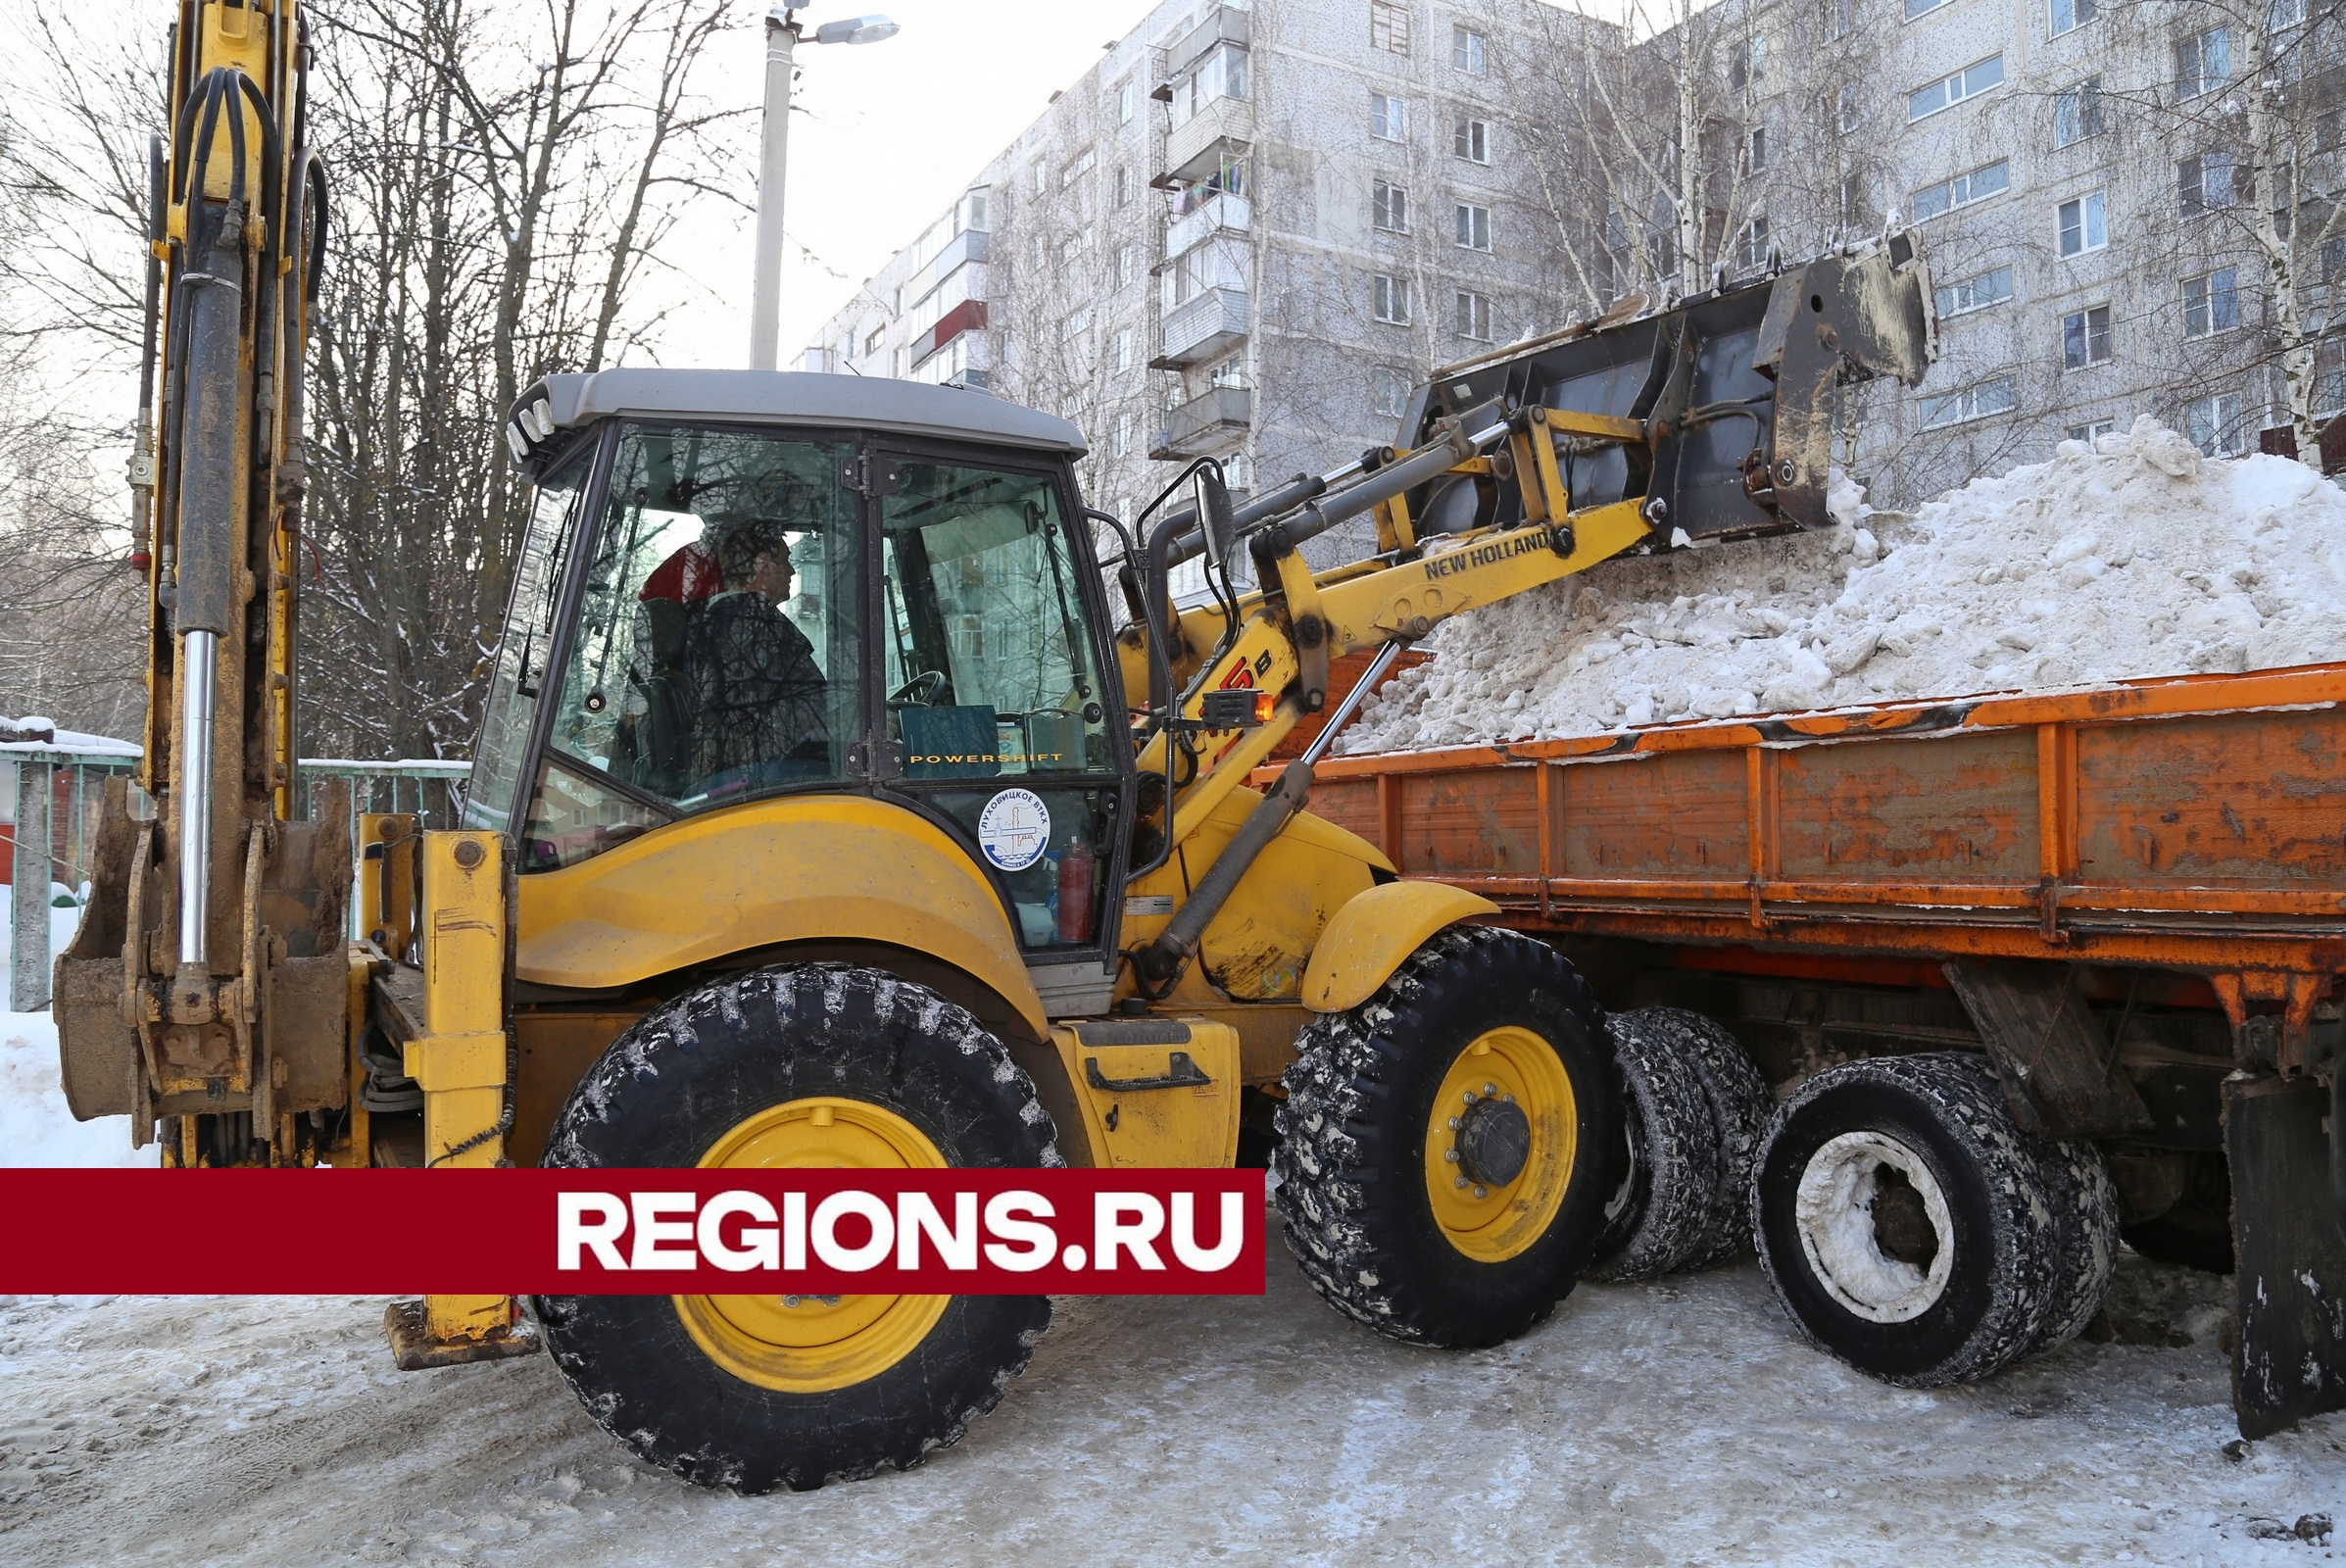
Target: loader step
x,y
413,1349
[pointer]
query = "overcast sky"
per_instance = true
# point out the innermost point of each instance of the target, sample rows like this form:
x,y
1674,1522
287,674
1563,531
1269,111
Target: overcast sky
x,y
889,133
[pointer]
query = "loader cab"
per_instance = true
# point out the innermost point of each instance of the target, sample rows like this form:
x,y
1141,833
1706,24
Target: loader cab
x,y
739,586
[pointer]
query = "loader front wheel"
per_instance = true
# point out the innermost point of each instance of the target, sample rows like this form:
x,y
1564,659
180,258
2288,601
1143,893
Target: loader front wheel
x,y
806,1065
1446,1148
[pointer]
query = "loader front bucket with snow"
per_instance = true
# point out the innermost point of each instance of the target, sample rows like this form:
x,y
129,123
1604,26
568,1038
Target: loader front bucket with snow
x,y
1736,392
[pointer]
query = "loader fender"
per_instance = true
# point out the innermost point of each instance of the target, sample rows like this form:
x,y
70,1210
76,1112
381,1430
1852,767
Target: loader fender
x,y
1374,932
806,868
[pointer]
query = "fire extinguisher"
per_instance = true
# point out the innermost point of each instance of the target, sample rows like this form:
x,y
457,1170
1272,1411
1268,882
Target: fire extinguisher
x,y
1076,862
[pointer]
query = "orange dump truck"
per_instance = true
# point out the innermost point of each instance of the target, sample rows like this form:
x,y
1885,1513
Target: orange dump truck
x,y
2018,971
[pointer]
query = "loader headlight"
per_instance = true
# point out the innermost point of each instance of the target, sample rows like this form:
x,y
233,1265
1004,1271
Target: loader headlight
x,y
541,413
516,443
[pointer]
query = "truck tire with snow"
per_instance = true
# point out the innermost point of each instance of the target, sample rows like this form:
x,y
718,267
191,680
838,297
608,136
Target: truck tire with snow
x,y
1447,1147
815,1064
2086,1209
1907,1223
1696,1108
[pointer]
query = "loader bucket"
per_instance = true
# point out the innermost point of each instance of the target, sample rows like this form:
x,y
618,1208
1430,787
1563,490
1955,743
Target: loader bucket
x,y
1736,387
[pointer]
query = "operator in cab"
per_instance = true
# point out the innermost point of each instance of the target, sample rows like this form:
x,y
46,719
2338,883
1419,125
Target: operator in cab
x,y
755,693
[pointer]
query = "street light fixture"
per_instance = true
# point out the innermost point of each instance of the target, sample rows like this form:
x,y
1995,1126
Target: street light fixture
x,y
783,30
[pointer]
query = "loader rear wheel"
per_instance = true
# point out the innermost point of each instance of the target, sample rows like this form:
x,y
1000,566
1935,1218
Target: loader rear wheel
x,y
1447,1148
819,1065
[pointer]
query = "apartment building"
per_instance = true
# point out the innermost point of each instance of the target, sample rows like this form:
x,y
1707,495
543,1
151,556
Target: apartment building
x,y
1246,233
2071,167
1249,229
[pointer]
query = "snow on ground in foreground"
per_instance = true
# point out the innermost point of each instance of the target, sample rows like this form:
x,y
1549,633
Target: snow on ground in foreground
x,y
2133,558
1680,1422
35,1127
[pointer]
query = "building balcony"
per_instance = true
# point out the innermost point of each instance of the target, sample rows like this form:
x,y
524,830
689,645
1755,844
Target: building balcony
x,y
967,317
1220,214
969,245
1224,128
1204,327
1204,423
1227,25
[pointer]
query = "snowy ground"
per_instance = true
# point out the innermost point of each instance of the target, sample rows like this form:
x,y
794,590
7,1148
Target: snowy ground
x,y
1671,1423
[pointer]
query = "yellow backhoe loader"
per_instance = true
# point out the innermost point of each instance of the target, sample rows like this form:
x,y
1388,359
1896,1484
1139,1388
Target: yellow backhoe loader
x,y
819,817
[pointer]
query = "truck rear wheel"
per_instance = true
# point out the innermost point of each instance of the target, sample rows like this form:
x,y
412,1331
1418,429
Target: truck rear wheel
x,y
1696,1108
807,1065
1447,1147
1906,1223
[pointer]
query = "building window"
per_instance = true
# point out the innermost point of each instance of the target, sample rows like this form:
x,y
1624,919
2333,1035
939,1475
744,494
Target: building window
x,y
1389,208
1959,87
1923,8
2085,338
1978,185
1755,154
1070,247
1120,349
1123,186
1124,425
1389,393
1987,399
1470,139
2214,425
1128,265
2083,226
2329,380
1388,26
2070,14
2334,259
1082,166
1041,177
1970,294
1473,228
2212,303
871,340
1470,51
1752,247
2203,62
1747,64
1231,371
1389,116
1848,108
1390,299
1845,18
1078,322
1126,101
2078,113
1472,316
2090,434
2204,183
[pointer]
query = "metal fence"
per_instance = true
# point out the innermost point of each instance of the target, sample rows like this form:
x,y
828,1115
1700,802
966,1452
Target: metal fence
x,y
57,794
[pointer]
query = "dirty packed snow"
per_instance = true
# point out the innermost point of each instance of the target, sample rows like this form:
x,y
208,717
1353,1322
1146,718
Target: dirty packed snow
x,y
2135,556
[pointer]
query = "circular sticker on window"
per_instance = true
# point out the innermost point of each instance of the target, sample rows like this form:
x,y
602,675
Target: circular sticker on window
x,y
1014,829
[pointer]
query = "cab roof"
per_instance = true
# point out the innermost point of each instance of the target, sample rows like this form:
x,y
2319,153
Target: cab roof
x,y
564,403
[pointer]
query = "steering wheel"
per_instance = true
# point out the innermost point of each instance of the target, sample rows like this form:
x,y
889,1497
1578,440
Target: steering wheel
x,y
921,691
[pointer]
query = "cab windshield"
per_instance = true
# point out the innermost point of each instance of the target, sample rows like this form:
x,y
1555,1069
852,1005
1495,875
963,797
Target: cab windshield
x,y
715,655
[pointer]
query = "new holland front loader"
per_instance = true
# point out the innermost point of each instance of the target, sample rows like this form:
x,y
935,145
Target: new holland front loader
x,y
819,817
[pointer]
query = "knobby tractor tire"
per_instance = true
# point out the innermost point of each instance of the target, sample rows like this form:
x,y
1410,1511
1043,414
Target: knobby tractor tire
x,y
818,1065
1447,1147
1912,1229
1696,1108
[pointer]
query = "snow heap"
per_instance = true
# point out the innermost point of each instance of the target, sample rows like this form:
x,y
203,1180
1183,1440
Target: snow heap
x,y
2135,556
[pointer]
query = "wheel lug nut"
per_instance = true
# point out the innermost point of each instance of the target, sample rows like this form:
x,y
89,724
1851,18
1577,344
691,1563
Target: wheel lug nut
x,y
1461,1181
1490,1089
1482,1192
1507,1100
1457,1122
1470,1097
1450,1154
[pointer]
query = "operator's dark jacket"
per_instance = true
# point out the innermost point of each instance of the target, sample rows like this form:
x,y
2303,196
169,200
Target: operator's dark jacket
x,y
756,693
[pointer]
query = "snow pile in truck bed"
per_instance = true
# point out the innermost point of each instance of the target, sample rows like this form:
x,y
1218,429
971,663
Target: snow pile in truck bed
x,y
2135,557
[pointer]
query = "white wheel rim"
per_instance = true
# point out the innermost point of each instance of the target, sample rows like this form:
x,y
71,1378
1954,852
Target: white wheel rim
x,y
1834,1211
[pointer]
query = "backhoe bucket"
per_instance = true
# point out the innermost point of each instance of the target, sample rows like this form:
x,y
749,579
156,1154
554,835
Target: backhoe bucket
x,y
1736,390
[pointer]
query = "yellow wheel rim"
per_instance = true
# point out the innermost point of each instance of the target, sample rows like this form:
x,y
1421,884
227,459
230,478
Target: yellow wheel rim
x,y
811,1343
1499,1073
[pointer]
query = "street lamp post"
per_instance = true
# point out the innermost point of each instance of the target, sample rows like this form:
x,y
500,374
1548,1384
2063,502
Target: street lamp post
x,y
782,34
